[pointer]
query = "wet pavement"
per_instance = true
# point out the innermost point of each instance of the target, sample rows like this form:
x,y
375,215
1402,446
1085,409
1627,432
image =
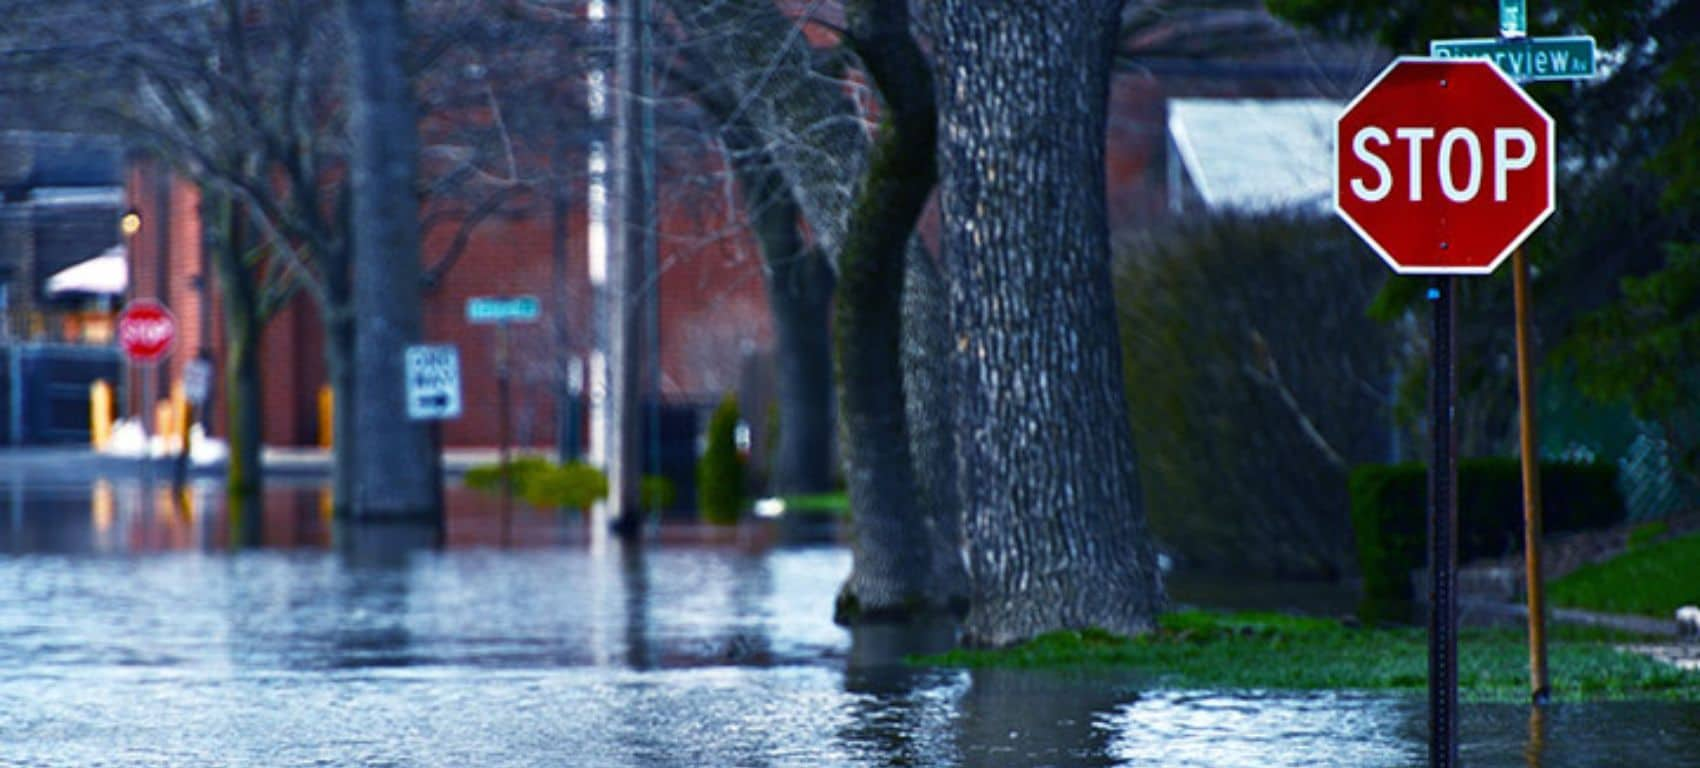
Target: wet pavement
x,y
139,627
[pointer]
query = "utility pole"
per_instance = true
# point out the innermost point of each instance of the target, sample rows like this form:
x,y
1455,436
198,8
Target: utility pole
x,y
634,233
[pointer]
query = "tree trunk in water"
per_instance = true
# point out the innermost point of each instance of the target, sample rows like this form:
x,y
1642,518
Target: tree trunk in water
x,y
627,281
1054,530
799,295
339,373
891,540
799,284
932,441
395,464
239,300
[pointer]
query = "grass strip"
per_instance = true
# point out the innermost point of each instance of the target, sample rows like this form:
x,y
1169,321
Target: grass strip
x,y
1262,651
834,504
1649,580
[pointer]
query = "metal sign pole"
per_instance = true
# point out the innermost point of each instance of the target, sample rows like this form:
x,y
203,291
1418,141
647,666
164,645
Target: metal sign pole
x,y
1443,531
150,383
503,405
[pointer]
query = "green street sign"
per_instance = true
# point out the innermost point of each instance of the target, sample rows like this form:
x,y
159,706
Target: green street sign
x,y
1513,18
1524,59
502,309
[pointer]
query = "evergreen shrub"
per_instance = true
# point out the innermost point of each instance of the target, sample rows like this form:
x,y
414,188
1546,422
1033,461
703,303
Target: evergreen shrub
x,y
720,471
1390,517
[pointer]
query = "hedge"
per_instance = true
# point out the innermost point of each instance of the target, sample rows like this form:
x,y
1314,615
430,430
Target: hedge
x,y
1390,517
542,483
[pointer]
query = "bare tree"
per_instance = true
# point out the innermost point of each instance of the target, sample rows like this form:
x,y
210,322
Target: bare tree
x,y
246,99
789,112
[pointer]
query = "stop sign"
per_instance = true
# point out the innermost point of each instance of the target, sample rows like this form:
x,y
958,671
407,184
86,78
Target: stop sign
x,y
146,330
1443,166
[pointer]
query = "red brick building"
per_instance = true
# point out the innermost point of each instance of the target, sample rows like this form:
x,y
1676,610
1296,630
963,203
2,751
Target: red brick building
x,y
711,305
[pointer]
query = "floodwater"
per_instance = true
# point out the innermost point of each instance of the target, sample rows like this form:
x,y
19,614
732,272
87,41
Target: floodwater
x,y
141,628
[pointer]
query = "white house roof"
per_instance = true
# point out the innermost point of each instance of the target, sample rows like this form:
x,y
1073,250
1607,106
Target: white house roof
x,y
108,273
1256,155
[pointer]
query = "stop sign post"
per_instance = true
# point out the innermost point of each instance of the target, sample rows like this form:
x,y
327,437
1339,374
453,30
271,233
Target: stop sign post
x,y
146,331
1444,167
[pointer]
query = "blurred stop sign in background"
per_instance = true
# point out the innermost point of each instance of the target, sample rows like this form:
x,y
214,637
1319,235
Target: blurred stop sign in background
x,y
146,330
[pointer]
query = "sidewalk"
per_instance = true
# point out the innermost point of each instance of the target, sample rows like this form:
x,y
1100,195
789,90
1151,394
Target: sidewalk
x,y
70,462
317,461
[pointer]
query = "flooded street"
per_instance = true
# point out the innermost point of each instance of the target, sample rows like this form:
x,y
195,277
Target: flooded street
x,y
138,630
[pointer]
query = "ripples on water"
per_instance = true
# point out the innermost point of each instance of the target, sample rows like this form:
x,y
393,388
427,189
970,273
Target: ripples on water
x,y
140,629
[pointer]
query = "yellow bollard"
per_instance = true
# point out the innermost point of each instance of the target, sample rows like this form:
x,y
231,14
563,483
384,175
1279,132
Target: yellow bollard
x,y
163,422
100,414
179,413
327,414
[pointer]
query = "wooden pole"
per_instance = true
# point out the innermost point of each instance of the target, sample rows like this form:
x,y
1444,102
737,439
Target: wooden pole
x,y
1530,449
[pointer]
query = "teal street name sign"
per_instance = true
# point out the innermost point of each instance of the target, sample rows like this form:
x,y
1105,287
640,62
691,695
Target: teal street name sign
x,y
502,309
1529,58
1513,18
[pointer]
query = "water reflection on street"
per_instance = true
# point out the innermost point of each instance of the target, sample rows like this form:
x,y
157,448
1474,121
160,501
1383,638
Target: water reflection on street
x,y
139,626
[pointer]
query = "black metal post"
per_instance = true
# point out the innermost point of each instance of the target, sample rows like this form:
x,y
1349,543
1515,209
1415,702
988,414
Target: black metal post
x,y
504,405
1443,532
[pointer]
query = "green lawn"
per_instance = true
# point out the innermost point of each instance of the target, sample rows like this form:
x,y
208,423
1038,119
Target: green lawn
x,y
1650,580
835,504
1202,650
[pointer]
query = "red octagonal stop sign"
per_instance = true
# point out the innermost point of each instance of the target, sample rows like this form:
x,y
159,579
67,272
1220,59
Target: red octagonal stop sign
x,y
1443,166
146,330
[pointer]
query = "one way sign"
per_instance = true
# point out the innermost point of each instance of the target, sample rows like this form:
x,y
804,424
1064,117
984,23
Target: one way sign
x,y
433,382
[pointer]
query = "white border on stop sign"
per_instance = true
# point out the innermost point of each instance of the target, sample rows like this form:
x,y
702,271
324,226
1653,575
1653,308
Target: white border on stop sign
x,y
1536,222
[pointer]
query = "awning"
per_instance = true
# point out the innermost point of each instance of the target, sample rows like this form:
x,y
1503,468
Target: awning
x,y
107,274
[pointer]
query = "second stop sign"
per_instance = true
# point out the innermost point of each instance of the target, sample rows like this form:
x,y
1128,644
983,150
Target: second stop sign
x,y
1443,166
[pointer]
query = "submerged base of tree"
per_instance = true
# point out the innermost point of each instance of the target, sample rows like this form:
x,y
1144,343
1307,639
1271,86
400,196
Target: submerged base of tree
x,y
1205,650
848,610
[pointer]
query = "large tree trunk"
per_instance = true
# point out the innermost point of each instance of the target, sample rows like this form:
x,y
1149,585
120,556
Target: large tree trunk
x,y
395,464
891,538
1054,531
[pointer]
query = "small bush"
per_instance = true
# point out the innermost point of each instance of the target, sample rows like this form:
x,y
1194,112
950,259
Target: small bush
x,y
543,484
720,471
657,492
574,485
488,477
1390,516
